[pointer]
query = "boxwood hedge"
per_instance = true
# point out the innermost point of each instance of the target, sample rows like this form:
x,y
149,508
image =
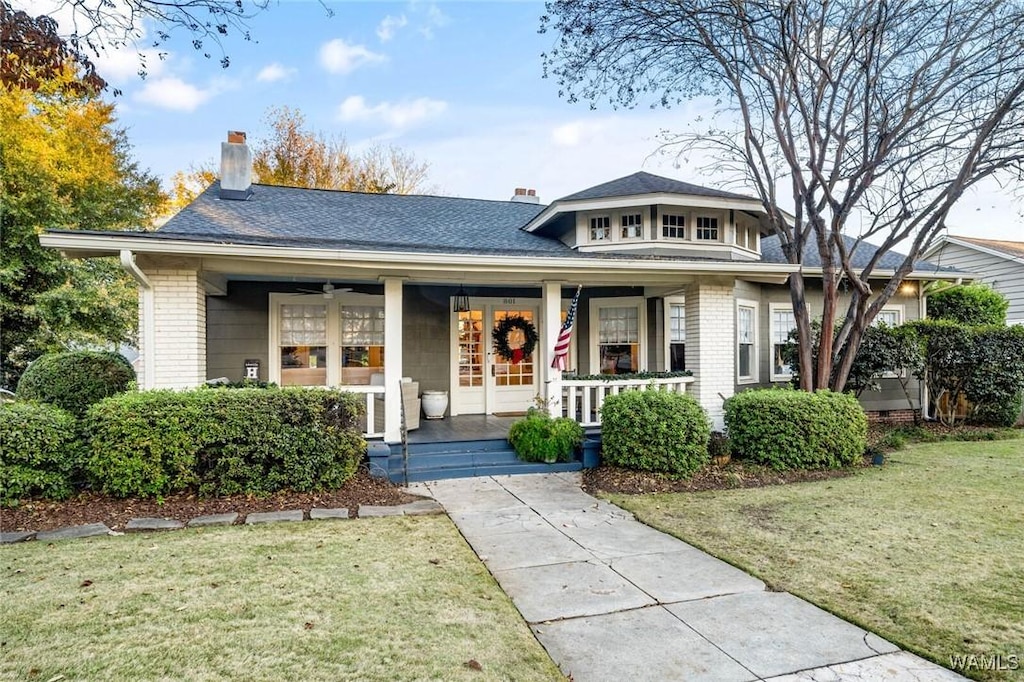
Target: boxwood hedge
x,y
789,429
40,454
74,380
223,442
654,430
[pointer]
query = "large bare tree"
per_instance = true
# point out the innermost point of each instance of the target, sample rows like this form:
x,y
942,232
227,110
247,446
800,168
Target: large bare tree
x,y
885,110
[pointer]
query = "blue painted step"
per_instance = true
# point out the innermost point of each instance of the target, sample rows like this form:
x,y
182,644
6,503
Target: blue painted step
x,y
494,470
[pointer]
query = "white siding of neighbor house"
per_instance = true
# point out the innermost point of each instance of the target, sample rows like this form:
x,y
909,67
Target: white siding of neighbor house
x,y
1005,276
179,352
710,353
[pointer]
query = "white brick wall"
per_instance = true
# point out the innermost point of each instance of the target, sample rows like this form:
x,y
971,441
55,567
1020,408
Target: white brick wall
x,y
711,346
179,351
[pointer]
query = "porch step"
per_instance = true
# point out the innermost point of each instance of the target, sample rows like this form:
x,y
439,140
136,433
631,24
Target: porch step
x,y
463,459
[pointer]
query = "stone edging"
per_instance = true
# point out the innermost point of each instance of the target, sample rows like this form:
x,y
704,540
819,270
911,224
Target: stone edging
x,y
149,525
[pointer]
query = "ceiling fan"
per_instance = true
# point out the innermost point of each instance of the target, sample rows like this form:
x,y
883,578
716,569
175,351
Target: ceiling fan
x,y
328,290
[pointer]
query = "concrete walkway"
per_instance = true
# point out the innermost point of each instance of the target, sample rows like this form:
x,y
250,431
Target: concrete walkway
x,y
613,599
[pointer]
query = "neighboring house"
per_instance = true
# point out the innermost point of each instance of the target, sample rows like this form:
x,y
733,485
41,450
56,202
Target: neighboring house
x,y
358,290
998,263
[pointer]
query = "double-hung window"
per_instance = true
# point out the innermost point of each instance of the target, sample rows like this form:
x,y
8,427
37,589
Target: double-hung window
x,y
302,344
783,321
746,341
362,343
632,225
673,226
675,313
707,228
600,228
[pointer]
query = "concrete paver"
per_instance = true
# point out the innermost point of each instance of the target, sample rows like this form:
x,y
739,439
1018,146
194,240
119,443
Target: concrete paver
x,y
580,588
611,598
591,649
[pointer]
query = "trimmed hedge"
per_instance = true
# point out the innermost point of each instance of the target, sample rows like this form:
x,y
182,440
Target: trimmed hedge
x,y
787,429
246,440
74,380
40,454
970,304
654,430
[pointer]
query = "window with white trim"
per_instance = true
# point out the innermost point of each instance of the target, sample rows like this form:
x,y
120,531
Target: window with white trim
x,y
746,341
362,343
890,315
632,225
676,336
319,342
707,228
302,345
618,340
673,226
600,228
783,321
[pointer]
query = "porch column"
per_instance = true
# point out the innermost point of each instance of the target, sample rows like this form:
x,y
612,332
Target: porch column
x,y
173,323
552,325
392,359
711,346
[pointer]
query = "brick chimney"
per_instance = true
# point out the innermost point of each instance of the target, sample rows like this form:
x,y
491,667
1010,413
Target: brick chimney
x,y
526,196
235,167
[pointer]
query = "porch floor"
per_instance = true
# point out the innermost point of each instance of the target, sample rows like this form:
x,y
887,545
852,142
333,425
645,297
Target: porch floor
x,y
461,428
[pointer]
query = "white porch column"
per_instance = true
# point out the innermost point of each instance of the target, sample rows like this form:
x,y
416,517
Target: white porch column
x,y
392,359
173,325
711,346
552,377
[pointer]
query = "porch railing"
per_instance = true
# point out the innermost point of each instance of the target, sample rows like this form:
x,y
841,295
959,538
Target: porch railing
x,y
373,404
582,398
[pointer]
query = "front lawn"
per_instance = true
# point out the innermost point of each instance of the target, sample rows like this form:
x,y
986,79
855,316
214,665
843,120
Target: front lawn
x,y
927,551
376,599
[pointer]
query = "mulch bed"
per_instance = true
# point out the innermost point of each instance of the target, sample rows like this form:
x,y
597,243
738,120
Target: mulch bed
x,y
736,474
116,512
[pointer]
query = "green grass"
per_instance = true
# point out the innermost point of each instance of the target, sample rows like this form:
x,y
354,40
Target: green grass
x,y
927,551
373,599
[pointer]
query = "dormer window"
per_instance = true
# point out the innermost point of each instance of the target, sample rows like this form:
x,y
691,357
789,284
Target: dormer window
x,y
632,225
707,228
600,228
673,226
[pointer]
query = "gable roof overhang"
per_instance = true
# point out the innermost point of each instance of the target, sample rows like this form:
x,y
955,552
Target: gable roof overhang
x,y
432,266
975,245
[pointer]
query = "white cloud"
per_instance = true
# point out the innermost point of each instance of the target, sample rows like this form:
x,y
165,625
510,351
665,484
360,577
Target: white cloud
x,y
388,25
434,18
337,56
395,114
576,133
274,72
173,93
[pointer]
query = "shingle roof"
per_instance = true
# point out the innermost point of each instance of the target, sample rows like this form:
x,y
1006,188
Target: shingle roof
x,y
771,252
648,183
1012,249
289,216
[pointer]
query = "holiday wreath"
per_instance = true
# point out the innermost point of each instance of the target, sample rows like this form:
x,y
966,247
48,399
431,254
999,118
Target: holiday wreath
x,y
514,338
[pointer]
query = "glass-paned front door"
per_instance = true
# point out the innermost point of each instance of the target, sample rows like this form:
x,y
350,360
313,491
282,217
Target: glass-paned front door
x,y
513,378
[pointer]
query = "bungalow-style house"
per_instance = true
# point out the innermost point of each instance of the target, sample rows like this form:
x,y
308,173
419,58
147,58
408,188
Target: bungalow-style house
x,y
999,263
374,292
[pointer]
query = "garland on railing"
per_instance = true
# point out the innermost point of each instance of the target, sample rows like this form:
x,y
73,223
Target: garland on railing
x,y
526,341
635,376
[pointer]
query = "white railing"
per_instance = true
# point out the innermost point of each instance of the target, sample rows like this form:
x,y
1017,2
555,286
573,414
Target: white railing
x,y
370,428
582,398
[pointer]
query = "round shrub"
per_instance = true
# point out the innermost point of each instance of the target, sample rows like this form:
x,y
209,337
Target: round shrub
x,y
970,304
40,454
247,440
654,430
789,429
541,438
74,380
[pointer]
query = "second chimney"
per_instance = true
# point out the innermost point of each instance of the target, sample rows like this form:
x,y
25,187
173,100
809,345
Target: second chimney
x,y
526,196
235,167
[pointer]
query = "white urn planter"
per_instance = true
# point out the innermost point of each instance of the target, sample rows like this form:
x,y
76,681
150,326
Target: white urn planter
x,y
434,404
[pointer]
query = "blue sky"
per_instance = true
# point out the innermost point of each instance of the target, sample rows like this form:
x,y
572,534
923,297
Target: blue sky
x,y
457,83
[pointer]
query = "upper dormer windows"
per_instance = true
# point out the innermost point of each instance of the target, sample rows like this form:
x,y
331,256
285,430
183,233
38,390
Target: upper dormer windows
x,y
673,226
632,225
600,228
707,228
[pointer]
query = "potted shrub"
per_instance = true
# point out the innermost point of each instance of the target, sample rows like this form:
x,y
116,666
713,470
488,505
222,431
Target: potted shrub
x,y
540,438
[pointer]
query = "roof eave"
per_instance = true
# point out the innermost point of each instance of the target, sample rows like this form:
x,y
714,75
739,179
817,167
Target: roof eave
x,y
972,245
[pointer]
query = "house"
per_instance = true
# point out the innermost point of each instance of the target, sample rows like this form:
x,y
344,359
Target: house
x,y
999,263
312,287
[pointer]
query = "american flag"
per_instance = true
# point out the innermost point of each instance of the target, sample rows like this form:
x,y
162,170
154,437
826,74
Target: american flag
x,y
565,335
